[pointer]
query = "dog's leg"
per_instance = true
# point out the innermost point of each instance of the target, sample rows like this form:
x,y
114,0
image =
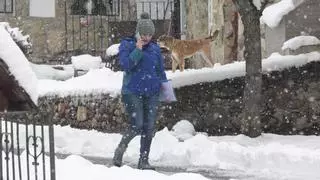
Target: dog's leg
x,y
181,63
174,63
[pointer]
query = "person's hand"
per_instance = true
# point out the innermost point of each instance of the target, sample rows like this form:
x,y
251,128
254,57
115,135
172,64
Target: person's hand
x,y
139,43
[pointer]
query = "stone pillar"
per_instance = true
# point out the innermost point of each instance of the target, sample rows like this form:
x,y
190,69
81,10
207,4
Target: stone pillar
x,y
230,32
217,14
196,26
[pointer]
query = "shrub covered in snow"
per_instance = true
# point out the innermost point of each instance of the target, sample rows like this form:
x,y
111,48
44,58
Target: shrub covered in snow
x,y
86,62
23,41
112,50
183,130
112,57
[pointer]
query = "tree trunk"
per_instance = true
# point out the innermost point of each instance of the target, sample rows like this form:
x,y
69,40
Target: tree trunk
x,y
250,123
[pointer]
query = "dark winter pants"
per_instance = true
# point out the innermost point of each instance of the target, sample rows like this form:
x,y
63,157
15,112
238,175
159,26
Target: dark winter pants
x,y
142,113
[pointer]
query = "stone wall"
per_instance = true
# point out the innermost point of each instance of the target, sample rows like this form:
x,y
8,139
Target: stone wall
x,y
291,105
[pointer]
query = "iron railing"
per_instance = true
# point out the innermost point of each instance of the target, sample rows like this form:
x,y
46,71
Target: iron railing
x,y
26,146
92,34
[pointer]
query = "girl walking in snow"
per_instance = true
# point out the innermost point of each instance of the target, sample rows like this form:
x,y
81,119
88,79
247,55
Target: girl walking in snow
x,y
142,63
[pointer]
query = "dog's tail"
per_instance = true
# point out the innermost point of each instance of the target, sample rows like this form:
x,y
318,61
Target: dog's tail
x,y
213,36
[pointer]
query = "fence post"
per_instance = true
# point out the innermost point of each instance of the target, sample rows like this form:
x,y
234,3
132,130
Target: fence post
x,y
1,119
51,147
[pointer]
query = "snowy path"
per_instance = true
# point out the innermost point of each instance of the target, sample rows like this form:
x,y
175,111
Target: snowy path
x,y
210,173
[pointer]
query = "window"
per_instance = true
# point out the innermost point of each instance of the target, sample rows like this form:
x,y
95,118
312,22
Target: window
x,y
42,8
96,7
6,6
158,9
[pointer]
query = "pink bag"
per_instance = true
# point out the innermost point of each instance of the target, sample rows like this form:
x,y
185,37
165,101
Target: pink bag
x,y
167,92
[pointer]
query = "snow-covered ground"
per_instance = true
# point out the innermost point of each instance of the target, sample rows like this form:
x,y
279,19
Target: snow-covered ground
x,y
267,157
288,157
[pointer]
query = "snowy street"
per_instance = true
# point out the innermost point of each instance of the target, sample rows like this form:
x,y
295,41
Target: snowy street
x,y
228,157
208,172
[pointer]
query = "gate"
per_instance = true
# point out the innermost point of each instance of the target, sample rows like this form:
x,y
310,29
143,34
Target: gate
x,y
91,26
27,146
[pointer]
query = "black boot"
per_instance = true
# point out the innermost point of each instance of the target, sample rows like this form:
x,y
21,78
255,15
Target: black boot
x,y
122,147
144,164
145,144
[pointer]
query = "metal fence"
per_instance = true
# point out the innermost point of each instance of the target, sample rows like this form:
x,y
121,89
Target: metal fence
x,y
26,146
93,31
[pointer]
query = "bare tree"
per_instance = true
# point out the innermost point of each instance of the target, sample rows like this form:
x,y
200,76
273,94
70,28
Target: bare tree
x,y
250,16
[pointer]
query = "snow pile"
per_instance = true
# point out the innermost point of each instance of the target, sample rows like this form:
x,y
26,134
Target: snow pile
x,y
273,14
300,41
278,62
18,64
293,157
49,72
86,62
112,50
106,81
275,62
183,130
76,167
96,81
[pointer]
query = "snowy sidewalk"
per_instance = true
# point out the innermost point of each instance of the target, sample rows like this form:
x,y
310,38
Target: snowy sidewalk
x,y
210,173
185,154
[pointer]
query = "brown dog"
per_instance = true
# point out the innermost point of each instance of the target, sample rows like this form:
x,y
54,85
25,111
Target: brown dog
x,y
182,49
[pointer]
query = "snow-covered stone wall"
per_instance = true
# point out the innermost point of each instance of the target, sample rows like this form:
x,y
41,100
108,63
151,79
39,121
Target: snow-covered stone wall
x,y
291,105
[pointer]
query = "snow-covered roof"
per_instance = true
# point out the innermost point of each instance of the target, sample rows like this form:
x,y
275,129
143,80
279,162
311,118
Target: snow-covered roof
x,y
273,14
18,64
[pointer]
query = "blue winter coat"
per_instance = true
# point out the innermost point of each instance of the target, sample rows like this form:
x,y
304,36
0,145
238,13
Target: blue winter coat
x,y
143,69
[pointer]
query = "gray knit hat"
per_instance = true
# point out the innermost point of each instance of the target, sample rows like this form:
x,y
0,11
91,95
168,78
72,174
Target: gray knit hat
x,y
145,25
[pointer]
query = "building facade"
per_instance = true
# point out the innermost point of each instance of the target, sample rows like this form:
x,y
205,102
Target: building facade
x,y
60,27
